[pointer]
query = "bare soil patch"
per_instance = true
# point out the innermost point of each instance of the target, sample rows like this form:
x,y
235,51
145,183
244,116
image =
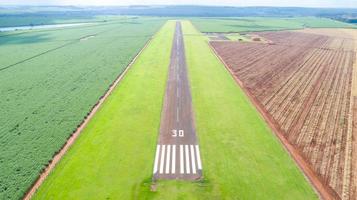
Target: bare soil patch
x,y
303,82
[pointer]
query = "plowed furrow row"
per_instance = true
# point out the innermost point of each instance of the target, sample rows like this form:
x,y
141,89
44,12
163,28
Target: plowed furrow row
x,y
304,83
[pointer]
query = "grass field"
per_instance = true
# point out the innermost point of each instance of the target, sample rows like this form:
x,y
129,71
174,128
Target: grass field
x,y
28,20
246,157
243,24
49,81
114,155
7,21
113,158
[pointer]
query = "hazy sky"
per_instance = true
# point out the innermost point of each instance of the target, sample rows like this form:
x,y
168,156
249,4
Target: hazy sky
x,y
302,3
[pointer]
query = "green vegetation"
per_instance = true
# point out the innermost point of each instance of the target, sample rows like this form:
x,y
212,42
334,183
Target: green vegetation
x,y
244,24
49,81
8,21
113,158
28,20
241,156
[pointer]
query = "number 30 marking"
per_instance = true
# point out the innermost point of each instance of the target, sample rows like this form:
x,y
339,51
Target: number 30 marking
x,y
179,133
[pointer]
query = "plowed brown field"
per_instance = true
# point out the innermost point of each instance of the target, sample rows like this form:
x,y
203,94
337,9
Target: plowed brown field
x,y
304,82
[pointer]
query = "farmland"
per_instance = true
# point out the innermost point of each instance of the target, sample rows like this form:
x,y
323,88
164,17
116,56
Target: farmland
x,y
31,16
295,102
49,82
304,82
248,24
128,124
32,20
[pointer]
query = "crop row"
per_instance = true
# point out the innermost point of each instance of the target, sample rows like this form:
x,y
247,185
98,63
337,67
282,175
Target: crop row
x,y
53,81
304,82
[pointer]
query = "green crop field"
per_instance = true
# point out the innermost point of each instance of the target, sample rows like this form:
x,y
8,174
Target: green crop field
x,y
28,20
244,24
49,81
113,158
25,20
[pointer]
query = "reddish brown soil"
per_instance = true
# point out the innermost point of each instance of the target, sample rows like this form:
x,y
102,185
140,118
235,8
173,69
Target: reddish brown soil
x,y
353,189
302,82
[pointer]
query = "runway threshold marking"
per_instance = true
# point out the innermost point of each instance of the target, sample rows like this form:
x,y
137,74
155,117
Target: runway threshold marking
x,y
162,159
156,158
182,170
199,165
188,158
173,166
177,153
193,160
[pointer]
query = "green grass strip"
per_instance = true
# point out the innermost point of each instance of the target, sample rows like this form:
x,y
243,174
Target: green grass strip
x,y
242,159
113,157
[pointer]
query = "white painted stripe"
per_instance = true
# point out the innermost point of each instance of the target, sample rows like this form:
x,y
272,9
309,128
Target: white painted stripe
x,y
162,158
182,171
199,165
187,153
177,92
177,114
167,167
156,158
193,160
173,166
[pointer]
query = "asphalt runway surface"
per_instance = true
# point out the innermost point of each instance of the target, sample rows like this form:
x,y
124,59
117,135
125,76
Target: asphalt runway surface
x,y
177,153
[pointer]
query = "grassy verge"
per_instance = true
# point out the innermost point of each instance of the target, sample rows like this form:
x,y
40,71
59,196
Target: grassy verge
x,y
113,157
241,157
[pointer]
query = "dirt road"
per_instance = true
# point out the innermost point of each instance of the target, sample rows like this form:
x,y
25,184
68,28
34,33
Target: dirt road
x,y
177,153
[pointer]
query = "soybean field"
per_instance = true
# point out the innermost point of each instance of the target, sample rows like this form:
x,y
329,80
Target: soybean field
x,y
49,80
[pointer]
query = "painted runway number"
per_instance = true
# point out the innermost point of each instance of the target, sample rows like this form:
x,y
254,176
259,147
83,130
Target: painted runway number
x,y
177,153
178,133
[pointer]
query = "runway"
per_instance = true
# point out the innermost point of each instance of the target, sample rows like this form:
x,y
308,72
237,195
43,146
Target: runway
x,y
177,153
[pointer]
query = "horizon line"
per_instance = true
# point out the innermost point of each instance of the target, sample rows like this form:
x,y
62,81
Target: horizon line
x,y
148,5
